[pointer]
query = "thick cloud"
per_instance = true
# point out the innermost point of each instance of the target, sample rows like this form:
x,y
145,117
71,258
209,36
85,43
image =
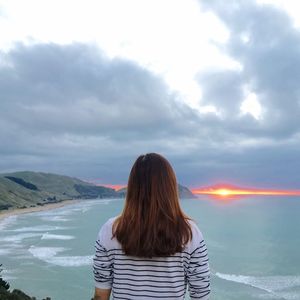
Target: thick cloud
x,y
267,46
77,90
73,107
71,110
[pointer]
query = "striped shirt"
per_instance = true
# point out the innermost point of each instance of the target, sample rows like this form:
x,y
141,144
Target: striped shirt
x,y
168,277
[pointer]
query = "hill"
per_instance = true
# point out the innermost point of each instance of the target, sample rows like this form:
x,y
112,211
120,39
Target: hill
x,y
184,192
29,189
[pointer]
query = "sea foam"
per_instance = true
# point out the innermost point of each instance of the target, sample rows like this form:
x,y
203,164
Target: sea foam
x,y
45,252
7,222
9,274
48,236
48,254
72,261
54,218
277,286
18,238
39,228
4,251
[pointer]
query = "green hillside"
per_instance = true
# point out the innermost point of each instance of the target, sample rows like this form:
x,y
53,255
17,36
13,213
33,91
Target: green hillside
x,y
26,189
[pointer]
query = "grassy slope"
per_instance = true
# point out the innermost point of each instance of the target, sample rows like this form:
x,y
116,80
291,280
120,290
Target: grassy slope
x,y
49,185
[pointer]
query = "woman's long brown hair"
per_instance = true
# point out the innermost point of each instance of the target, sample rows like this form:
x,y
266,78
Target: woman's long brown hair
x,y
152,223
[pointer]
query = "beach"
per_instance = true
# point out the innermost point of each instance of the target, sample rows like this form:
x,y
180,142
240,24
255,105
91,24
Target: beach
x,y
18,211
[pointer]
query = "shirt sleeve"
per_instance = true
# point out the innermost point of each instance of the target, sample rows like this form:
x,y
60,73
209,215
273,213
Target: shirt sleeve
x,y
198,273
102,264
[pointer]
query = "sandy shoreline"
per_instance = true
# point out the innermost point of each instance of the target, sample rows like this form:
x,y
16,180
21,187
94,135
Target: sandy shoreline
x,y
19,211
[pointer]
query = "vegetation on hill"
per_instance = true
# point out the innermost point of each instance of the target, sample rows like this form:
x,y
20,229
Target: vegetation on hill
x,y
90,191
23,183
28,189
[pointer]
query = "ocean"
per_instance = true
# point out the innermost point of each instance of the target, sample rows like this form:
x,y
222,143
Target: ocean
x,y
253,245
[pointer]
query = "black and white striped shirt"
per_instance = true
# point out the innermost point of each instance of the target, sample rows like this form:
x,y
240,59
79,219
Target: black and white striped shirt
x,y
168,277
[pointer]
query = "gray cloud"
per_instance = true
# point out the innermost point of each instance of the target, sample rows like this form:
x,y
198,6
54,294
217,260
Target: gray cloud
x,y
270,63
76,89
70,109
224,90
265,43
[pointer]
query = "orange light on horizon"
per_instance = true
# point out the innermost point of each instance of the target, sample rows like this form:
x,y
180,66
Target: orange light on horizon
x,y
113,186
231,191
108,185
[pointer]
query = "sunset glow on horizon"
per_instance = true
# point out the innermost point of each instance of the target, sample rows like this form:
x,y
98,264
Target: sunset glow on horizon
x,y
108,185
113,186
226,191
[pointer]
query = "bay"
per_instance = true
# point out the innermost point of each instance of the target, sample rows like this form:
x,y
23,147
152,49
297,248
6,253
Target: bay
x,y
253,246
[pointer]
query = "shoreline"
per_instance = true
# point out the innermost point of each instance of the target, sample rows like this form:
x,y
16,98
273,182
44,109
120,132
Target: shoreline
x,y
19,211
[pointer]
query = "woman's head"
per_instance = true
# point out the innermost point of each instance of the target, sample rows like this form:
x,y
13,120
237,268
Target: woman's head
x,y
152,223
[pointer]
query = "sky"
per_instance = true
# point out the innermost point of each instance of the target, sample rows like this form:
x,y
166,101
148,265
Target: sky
x,y
88,86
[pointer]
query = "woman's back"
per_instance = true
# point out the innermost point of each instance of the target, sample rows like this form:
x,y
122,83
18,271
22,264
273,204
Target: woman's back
x,y
152,250
132,277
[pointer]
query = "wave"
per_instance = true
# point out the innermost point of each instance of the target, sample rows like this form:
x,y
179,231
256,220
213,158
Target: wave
x,y
54,218
18,238
7,221
9,274
9,277
65,211
39,228
45,252
277,286
5,251
72,261
48,254
48,236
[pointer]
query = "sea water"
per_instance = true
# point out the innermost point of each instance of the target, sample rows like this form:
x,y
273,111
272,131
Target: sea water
x,y
253,246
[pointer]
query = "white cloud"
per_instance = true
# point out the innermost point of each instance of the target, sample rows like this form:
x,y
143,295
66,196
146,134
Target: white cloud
x,y
172,38
252,106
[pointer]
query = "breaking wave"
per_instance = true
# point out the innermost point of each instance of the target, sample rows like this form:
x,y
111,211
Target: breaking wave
x,y
277,286
7,221
72,261
4,251
48,236
48,254
18,238
39,228
45,252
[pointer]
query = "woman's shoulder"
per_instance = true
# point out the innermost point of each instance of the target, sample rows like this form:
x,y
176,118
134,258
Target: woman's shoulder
x,y
197,237
105,234
109,222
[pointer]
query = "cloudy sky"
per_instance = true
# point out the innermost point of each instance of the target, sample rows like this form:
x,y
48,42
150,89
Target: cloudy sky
x,y
87,86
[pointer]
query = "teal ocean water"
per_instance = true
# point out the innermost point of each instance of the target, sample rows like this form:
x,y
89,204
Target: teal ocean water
x,y
253,244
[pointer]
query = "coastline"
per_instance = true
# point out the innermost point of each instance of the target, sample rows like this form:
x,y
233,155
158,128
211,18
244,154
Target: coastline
x,y
45,207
